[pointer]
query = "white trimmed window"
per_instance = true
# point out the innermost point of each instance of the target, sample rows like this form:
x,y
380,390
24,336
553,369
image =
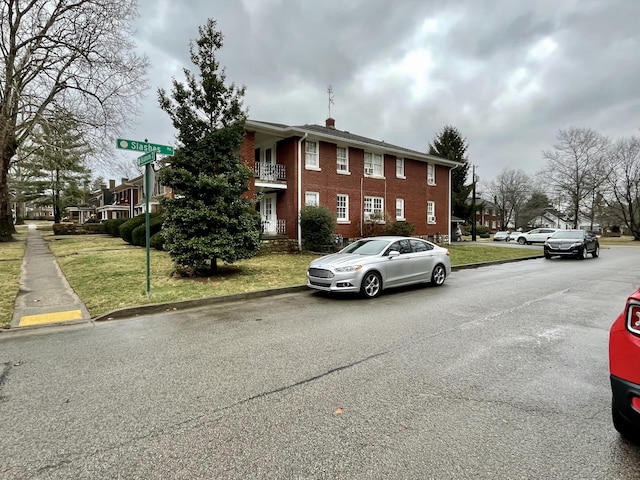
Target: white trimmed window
x,y
431,212
431,174
311,155
373,164
400,168
400,209
312,199
343,159
342,209
373,209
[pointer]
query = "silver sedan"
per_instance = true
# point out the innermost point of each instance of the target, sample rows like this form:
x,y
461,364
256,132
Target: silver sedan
x,y
373,264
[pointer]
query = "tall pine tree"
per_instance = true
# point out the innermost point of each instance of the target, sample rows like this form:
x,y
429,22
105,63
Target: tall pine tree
x,y
450,144
54,164
209,218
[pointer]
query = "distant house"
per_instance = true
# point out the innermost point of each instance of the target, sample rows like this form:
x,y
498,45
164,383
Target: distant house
x,y
359,179
556,219
125,200
489,215
551,218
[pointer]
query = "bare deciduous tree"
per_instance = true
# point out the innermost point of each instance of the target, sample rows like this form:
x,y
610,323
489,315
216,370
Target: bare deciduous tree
x,y
71,55
575,168
624,183
509,192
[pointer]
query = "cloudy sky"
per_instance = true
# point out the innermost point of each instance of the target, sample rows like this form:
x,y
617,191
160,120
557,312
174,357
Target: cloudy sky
x,y
507,74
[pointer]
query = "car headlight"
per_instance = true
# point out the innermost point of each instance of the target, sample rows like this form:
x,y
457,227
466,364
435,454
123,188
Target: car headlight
x,y
351,268
577,244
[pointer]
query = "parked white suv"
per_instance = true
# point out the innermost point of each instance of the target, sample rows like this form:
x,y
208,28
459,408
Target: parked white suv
x,y
537,235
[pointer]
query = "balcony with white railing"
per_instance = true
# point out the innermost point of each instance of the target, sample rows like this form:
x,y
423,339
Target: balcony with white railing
x,y
274,227
270,173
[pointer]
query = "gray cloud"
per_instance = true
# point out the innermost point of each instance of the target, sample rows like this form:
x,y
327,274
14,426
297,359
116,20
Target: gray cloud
x,y
507,74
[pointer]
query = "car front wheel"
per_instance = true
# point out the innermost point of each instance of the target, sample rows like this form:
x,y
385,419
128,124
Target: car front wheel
x,y
582,253
371,285
596,252
521,241
438,275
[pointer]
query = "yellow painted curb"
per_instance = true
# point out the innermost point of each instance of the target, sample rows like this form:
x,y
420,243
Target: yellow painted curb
x,y
50,318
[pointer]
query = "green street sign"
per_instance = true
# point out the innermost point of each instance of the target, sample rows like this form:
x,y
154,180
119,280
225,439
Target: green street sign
x,y
147,158
137,146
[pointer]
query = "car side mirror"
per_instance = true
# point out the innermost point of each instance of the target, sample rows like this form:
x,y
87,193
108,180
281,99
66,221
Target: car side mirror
x,y
393,253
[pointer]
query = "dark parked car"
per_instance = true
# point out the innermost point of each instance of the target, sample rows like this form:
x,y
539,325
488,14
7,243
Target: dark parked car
x,y
624,369
572,243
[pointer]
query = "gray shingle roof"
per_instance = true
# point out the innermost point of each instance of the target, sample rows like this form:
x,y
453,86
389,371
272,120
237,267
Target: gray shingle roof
x,y
349,137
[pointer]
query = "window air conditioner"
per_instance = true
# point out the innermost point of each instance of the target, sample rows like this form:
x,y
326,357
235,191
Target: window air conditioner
x,y
431,219
368,171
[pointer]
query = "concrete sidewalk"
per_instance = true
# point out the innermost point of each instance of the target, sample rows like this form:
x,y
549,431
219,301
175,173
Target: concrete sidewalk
x,y
44,295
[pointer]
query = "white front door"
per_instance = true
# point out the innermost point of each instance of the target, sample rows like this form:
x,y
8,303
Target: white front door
x,y
269,165
268,214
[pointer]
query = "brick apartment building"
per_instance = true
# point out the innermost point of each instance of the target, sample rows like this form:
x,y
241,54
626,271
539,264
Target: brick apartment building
x,y
359,179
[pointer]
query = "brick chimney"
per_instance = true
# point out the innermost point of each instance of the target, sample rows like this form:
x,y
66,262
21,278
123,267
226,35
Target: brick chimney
x,y
331,123
112,184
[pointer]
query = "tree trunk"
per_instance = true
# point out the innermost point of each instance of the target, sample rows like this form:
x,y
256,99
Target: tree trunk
x,y
7,228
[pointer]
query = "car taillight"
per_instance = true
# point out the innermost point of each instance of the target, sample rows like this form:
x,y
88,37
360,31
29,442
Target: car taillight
x,y
633,317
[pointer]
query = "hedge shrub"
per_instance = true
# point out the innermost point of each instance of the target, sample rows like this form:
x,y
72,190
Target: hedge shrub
x,y
139,234
399,228
126,229
112,227
317,225
157,241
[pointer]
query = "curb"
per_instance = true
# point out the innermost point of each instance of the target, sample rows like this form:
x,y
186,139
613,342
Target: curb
x,y
195,303
155,308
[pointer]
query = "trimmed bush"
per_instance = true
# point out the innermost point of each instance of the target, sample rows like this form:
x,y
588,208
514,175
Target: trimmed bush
x,y
139,234
126,229
157,241
317,225
112,227
399,228
70,228
482,230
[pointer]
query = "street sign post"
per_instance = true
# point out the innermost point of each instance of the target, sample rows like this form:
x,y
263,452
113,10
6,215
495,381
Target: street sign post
x,y
150,151
148,157
124,144
147,228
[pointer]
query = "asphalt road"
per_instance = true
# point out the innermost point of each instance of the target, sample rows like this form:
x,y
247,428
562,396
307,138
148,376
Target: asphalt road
x,y
501,373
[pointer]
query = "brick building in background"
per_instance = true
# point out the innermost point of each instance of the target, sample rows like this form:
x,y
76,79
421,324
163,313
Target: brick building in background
x,y
359,179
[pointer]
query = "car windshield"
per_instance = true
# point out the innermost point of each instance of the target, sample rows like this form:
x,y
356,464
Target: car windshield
x,y
366,247
569,234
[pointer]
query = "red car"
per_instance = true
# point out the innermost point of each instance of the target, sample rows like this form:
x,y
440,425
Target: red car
x,y
624,366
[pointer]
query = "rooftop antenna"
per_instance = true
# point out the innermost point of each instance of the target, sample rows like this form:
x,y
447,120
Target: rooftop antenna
x,y
331,97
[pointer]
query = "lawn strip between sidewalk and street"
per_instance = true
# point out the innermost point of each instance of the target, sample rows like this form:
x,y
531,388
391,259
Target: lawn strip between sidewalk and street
x,y
109,274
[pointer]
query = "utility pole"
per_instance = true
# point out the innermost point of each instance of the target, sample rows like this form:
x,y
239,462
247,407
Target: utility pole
x,y
473,204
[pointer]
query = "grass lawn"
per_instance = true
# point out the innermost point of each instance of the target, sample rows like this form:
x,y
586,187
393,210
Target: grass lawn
x,y
108,274
11,254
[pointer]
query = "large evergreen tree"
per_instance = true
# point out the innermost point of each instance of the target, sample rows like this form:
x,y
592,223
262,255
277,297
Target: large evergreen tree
x,y
209,218
450,144
51,165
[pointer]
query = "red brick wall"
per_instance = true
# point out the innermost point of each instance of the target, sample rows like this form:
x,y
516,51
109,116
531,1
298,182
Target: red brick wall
x,y
286,205
413,189
328,183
